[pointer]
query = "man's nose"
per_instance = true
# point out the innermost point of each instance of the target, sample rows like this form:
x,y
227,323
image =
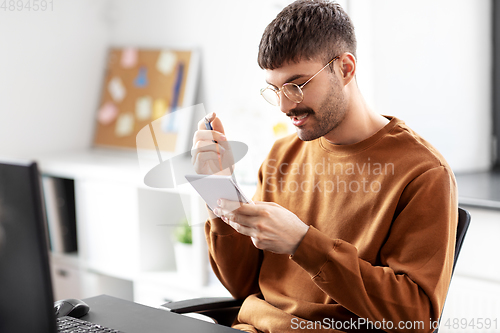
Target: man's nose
x,y
285,104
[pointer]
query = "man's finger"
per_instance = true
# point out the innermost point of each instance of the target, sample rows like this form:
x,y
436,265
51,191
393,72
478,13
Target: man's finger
x,y
228,205
244,220
248,209
202,122
206,135
207,146
242,229
214,121
224,214
206,163
203,157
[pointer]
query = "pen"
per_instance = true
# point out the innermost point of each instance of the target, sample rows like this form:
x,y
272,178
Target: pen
x,y
209,127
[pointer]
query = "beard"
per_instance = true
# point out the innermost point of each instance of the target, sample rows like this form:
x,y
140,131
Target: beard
x,y
328,117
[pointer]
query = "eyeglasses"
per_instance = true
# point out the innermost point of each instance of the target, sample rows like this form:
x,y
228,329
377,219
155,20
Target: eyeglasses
x,y
292,91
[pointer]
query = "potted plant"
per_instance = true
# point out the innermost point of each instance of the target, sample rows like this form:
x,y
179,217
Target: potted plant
x,y
183,248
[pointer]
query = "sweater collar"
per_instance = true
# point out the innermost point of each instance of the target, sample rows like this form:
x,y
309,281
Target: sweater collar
x,y
361,145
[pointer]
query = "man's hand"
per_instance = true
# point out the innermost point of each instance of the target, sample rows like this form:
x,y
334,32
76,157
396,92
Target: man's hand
x,y
211,158
271,227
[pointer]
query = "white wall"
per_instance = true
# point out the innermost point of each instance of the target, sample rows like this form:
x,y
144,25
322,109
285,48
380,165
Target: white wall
x,y
50,70
424,61
428,62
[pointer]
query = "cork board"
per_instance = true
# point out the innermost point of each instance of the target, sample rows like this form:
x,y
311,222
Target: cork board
x,y
142,86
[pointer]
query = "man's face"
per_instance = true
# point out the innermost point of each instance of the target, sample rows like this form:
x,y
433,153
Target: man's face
x,y
324,105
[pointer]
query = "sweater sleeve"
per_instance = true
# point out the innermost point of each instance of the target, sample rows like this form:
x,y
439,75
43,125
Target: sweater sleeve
x,y
235,260
416,260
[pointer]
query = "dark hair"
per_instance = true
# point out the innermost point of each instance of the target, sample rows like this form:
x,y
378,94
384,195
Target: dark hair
x,y
307,30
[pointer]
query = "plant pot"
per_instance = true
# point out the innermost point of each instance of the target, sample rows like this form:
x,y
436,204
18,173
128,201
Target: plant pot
x,y
184,260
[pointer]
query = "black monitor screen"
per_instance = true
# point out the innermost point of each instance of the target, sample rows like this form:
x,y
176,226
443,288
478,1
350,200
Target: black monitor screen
x,y
26,300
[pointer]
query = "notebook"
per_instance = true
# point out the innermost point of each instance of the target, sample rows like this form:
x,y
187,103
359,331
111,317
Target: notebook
x,y
214,187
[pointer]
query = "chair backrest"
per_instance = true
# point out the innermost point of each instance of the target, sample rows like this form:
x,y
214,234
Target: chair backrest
x,y
462,226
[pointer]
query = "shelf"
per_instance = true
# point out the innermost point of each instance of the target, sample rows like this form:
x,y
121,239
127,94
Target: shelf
x,y
70,259
92,163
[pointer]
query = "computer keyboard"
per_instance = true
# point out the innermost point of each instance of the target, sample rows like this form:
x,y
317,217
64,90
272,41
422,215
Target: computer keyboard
x,y
73,325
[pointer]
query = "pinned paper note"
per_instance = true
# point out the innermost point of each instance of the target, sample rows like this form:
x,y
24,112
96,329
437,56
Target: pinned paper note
x,y
116,89
166,62
169,123
107,113
280,129
143,108
159,108
129,57
141,80
124,125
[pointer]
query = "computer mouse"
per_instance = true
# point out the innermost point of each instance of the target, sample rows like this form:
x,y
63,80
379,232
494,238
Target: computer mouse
x,y
71,307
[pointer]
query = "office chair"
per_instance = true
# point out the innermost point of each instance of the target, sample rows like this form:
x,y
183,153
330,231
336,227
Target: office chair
x,y
225,309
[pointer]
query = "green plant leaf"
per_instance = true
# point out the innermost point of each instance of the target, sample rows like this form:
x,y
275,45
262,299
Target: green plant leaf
x,y
183,232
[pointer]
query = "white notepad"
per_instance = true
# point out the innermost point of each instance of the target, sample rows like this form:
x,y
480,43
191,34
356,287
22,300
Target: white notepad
x,y
212,188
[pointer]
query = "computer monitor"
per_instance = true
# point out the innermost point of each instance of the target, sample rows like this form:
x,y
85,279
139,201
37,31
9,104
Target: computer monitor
x,y
26,299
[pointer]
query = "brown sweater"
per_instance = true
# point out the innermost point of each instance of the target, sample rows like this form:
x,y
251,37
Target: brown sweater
x,y
379,250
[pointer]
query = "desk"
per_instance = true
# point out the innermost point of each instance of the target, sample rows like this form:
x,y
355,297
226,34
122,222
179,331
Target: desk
x,y
131,317
480,189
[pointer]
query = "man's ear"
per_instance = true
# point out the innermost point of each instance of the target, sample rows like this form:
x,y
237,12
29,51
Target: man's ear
x,y
347,64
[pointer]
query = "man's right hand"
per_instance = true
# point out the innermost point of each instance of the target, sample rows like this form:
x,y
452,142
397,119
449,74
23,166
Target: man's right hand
x,y
211,158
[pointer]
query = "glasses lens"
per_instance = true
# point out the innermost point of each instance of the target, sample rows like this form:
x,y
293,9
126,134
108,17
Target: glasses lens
x,y
270,96
293,92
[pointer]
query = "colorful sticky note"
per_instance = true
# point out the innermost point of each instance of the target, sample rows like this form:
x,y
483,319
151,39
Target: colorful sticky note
x,y
169,123
280,129
159,108
124,125
166,62
117,89
129,57
142,78
107,113
143,108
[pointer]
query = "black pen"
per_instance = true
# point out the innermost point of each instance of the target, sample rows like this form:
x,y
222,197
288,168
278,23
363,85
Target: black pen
x,y
209,127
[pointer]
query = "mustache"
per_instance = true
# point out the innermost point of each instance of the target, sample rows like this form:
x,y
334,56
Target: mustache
x,y
299,112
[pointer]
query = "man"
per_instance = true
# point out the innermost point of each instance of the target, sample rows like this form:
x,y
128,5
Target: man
x,y
355,216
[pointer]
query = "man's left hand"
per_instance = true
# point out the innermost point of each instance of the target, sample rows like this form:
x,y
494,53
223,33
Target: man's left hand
x,y
271,227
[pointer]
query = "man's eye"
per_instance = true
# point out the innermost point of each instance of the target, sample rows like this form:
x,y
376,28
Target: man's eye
x,y
297,83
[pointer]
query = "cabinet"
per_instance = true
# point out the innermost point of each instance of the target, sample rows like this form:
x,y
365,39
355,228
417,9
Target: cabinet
x,y
125,232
